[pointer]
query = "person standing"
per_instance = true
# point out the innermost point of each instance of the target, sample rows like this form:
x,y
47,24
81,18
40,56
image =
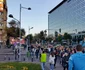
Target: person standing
x,y
65,61
52,61
77,60
56,55
43,58
37,53
16,54
83,44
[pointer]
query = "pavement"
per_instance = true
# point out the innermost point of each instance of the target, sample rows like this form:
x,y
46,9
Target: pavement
x,y
6,55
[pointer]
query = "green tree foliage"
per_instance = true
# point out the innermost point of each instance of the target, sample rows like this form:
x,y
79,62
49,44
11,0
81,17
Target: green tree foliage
x,y
12,23
22,32
14,30
36,36
67,36
59,38
49,39
29,37
42,35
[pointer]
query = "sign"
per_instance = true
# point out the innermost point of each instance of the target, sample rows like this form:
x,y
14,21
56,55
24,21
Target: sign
x,y
1,5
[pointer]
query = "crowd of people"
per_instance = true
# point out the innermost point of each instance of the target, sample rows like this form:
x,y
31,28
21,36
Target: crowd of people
x,y
60,53
71,58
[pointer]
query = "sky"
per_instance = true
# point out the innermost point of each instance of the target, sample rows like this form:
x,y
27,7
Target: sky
x,y
37,17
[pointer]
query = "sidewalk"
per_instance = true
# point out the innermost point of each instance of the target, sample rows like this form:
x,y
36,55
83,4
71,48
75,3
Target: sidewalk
x,y
58,66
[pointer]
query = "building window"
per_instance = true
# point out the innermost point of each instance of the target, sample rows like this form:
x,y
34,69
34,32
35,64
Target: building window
x,y
68,0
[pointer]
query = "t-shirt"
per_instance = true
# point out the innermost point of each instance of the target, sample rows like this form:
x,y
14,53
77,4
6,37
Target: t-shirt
x,y
82,43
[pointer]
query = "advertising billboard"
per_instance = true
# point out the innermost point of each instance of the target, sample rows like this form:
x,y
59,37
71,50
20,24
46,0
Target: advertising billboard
x,y
1,5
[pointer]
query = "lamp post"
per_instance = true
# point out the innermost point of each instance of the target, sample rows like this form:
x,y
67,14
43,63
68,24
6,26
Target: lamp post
x,y
21,7
20,15
11,16
28,39
30,29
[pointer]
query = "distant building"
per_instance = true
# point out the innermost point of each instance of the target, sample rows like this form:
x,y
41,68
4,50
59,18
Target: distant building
x,y
3,20
68,16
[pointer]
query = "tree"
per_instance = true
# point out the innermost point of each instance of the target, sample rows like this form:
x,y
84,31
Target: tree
x,y
36,36
59,38
29,37
14,30
67,36
42,35
22,32
11,32
12,23
49,39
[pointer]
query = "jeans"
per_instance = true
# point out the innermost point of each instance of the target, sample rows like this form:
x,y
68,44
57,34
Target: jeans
x,y
55,60
43,65
51,66
37,55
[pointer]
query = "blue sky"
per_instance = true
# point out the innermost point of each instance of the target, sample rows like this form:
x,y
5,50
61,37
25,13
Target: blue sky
x,y
37,17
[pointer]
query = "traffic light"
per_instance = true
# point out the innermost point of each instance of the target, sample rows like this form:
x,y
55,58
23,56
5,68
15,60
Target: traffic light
x,y
60,30
56,33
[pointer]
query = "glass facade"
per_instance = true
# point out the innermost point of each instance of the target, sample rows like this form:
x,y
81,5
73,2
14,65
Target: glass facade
x,y
70,17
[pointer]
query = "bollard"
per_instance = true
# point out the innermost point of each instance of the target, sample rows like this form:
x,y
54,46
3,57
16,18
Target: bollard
x,y
24,58
9,58
4,57
32,59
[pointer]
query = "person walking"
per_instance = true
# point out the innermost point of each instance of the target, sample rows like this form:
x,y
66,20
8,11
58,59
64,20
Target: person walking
x,y
52,61
77,60
32,54
43,58
37,53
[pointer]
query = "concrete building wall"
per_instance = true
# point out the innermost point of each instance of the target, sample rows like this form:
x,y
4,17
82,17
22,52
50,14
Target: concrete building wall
x,y
3,21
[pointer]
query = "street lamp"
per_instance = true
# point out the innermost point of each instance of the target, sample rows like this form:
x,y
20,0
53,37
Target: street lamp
x,y
28,42
11,16
20,14
20,20
28,39
30,29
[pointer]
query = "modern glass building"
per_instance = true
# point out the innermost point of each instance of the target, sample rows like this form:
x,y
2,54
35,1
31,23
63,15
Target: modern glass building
x,y
69,16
